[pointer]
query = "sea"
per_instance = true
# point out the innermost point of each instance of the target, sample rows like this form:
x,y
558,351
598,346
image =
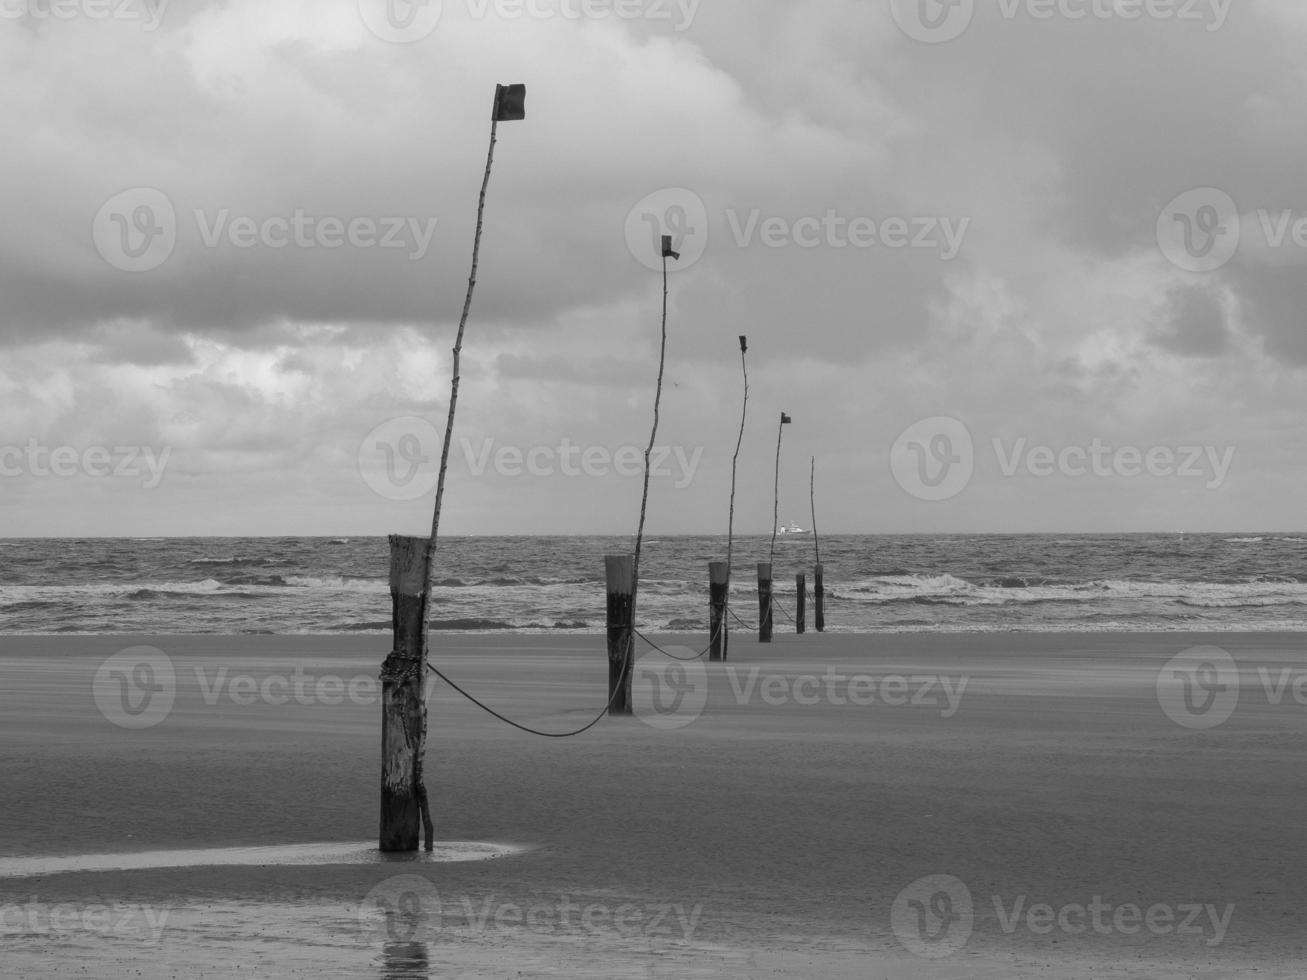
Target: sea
x,y
873,583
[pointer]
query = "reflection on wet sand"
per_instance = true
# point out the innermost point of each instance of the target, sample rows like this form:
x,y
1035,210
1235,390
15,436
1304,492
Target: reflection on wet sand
x,y
405,961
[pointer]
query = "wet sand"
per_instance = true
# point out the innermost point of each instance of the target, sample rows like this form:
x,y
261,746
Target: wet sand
x,y
770,836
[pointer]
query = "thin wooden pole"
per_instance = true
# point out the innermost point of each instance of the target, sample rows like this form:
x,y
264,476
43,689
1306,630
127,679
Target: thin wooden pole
x,y
812,502
653,435
776,494
735,462
620,574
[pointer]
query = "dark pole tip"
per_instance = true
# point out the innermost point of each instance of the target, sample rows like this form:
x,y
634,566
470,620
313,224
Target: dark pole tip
x,y
744,344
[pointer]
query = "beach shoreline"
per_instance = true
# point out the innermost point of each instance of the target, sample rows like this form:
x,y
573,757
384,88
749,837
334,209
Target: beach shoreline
x,y
793,825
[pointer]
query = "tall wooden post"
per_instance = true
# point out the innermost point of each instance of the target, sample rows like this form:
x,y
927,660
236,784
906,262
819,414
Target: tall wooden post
x,y
764,602
403,714
818,594
620,570
718,583
802,588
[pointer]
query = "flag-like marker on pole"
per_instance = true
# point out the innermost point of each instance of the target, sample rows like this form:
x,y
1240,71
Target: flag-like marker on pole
x,y
509,105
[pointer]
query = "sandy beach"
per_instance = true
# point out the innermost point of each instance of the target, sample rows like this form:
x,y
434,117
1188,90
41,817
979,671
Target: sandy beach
x,y
796,824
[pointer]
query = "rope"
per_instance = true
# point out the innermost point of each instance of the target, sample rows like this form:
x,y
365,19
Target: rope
x,y
535,731
747,626
697,656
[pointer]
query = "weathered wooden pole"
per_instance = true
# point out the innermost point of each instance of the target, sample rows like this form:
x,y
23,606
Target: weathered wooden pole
x,y
818,593
802,588
403,714
620,570
718,583
764,602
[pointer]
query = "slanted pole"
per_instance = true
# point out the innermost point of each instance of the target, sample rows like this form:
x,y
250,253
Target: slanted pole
x,y
620,570
403,713
764,602
718,582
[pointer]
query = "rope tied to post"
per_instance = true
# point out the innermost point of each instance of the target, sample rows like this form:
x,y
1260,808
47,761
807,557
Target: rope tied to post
x,y
526,728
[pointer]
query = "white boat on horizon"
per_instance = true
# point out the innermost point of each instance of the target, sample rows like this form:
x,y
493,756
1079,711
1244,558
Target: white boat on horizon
x,y
791,528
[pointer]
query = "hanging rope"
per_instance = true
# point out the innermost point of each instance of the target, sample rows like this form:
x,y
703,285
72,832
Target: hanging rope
x,y
535,731
747,626
697,656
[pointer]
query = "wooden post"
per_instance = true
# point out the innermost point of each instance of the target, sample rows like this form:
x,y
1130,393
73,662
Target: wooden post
x,y
717,586
818,594
621,607
764,602
802,588
403,714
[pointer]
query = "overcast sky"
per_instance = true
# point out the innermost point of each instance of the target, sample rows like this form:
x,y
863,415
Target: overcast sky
x,y
1029,266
